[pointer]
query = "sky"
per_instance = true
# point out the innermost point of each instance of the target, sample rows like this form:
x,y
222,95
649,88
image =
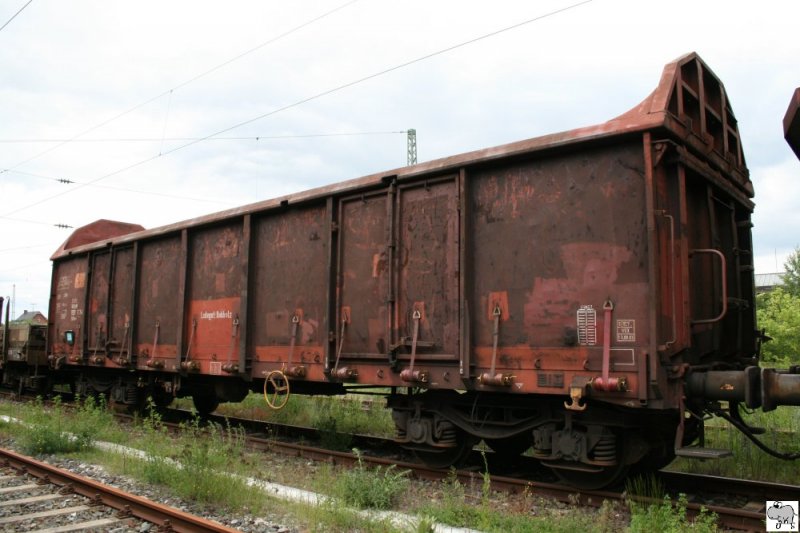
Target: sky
x,y
159,111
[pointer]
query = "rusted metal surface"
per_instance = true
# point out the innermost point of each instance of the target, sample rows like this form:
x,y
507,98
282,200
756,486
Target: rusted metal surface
x,y
779,388
545,231
791,123
212,326
553,242
100,230
288,289
364,276
67,306
730,385
120,321
143,508
157,310
594,267
98,309
25,343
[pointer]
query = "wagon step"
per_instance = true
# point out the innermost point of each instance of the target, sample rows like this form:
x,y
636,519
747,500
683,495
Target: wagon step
x,y
702,453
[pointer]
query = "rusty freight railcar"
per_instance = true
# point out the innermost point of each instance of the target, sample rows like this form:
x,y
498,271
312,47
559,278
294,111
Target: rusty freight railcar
x,y
587,294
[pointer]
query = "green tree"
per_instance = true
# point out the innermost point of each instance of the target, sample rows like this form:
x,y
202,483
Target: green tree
x,y
778,312
791,278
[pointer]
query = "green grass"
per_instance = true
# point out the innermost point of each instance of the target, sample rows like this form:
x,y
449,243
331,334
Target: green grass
x,y
57,429
367,488
652,510
669,517
645,487
210,454
459,505
201,463
352,413
748,461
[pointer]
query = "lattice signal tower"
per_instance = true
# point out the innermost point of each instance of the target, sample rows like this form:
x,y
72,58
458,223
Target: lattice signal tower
x,y
412,147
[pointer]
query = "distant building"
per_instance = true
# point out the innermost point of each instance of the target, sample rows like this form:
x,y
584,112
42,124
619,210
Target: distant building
x,y
32,317
768,282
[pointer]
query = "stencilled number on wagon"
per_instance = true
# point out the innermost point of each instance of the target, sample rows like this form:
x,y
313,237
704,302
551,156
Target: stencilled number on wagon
x,y
626,330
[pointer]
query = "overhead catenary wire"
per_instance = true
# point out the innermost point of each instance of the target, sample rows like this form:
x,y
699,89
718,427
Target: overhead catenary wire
x,y
18,248
67,181
311,98
180,85
39,222
15,15
166,121
25,267
171,139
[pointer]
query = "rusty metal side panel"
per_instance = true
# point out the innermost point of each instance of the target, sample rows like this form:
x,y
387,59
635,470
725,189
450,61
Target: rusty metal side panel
x,y
121,299
67,304
720,276
98,302
212,325
26,343
158,305
289,280
428,244
552,236
364,276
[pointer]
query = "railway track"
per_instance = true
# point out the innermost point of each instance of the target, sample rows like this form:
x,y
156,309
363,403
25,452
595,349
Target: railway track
x,y
39,497
739,504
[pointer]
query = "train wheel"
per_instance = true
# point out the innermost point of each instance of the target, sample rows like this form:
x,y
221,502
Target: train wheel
x,y
205,404
591,477
511,446
161,398
447,457
585,480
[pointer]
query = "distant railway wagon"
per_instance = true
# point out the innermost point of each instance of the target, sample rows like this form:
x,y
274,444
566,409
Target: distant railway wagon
x,y
588,295
24,361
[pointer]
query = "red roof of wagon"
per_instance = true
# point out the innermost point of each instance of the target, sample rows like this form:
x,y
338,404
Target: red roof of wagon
x,y
99,230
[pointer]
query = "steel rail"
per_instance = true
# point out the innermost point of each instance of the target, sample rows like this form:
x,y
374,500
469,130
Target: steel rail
x,y
749,517
162,515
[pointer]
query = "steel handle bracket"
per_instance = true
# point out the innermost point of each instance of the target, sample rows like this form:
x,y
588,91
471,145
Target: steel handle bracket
x,y
724,282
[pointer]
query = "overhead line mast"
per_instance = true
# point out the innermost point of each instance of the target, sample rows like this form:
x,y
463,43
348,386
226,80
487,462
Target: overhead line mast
x,y
412,147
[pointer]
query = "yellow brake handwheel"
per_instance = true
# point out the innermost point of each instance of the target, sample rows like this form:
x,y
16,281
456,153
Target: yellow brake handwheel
x,y
280,390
